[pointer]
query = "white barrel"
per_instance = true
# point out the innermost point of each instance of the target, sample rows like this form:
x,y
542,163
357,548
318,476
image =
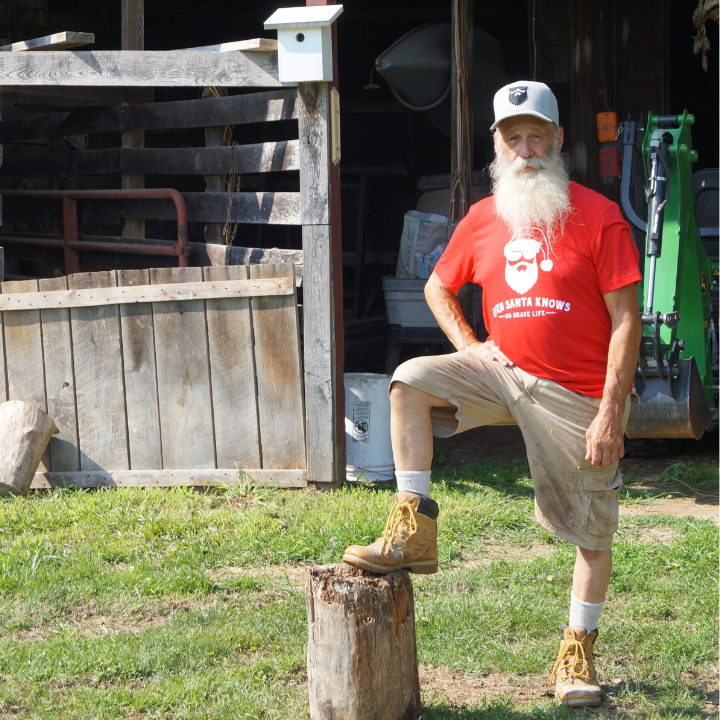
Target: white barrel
x,y
367,428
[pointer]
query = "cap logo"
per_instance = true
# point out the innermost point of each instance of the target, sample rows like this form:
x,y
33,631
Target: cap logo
x,y
518,95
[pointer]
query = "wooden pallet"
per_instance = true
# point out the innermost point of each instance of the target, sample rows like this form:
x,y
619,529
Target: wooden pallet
x,y
169,376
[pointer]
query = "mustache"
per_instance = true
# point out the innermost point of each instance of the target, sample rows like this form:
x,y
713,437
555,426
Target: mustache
x,y
521,163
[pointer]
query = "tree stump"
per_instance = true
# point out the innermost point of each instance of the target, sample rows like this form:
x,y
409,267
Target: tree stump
x,y
25,431
362,655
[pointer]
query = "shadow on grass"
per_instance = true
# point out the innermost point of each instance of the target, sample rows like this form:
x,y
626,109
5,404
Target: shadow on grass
x,y
511,478
495,711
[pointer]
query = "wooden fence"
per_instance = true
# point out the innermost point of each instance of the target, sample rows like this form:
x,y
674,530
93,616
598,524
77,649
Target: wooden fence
x,y
171,376
308,152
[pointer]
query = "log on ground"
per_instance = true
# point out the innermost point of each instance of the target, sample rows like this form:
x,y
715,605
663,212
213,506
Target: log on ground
x,y
25,431
362,653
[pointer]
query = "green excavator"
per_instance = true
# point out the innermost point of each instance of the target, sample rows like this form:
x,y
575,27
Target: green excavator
x,y
676,380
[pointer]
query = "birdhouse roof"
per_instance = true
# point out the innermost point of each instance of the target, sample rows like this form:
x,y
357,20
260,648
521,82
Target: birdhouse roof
x,y
303,17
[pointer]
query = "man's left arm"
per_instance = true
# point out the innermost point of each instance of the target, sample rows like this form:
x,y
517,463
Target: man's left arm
x,y
604,437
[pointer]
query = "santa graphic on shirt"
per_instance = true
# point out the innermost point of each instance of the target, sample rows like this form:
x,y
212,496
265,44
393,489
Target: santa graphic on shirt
x,y
521,266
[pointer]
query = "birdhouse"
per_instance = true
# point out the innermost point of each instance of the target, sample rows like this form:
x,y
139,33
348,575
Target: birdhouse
x,y
304,42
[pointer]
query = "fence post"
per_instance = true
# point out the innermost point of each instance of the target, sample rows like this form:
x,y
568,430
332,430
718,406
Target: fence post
x,y
322,299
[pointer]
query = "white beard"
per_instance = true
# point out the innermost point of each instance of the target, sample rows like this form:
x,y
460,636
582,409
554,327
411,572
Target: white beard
x,y
519,281
540,199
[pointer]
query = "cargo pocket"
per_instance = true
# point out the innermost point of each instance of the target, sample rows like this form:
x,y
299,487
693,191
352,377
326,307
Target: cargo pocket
x,y
557,495
599,491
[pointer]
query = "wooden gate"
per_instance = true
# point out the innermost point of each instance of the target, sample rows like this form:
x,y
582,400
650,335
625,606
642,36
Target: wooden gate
x,y
169,376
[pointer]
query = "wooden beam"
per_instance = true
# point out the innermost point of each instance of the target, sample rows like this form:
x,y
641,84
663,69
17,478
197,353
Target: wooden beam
x,y
170,478
172,292
133,38
257,158
268,106
255,45
56,41
77,96
272,208
461,129
322,301
128,68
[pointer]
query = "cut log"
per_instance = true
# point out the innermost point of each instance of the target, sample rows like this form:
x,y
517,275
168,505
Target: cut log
x,y
362,655
25,431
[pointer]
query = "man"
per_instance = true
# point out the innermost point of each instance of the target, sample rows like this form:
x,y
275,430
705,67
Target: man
x,y
559,271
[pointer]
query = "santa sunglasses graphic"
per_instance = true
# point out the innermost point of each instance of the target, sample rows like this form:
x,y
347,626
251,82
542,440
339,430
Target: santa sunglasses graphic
x,y
521,267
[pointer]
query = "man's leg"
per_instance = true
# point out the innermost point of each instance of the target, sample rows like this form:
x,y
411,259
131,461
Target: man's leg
x,y
413,543
459,391
578,503
591,576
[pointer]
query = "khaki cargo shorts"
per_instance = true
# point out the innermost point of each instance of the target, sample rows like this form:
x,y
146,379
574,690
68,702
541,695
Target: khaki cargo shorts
x,y
574,500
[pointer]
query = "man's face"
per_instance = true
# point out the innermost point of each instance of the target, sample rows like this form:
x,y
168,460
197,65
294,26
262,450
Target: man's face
x,y
526,136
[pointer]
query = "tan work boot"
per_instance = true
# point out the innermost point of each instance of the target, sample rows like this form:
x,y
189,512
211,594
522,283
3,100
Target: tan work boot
x,y
574,673
409,540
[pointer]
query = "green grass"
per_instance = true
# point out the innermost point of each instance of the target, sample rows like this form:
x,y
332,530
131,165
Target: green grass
x,y
149,603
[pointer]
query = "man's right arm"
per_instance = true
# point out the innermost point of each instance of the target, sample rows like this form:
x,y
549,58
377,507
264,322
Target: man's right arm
x,y
445,307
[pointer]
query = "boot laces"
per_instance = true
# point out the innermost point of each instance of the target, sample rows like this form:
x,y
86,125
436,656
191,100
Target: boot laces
x,y
573,661
401,523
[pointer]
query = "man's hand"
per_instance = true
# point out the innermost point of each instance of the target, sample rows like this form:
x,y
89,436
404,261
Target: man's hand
x,y
490,351
604,439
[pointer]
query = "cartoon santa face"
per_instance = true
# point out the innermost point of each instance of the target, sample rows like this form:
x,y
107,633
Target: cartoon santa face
x,y
521,267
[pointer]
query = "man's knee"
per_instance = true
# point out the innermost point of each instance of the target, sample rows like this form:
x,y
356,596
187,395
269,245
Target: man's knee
x,y
407,397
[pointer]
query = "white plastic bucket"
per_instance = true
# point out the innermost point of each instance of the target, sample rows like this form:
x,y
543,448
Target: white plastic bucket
x,y
367,428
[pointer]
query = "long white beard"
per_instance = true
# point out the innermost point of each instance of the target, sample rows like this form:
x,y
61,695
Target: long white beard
x,y
540,199
521,281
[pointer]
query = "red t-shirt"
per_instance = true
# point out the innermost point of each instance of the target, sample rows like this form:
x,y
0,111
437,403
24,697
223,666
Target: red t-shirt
x,y
543,307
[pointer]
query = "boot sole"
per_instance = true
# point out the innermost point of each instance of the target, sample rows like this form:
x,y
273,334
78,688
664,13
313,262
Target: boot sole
x,y
419,567
581,702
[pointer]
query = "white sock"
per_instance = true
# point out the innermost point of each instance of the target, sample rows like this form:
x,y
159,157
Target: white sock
x,y
414,481
584,615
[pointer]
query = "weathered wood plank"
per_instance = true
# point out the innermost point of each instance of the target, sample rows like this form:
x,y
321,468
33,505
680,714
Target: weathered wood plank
x,y
171,292
56,41
324,444
183,376
76,96
136,322
279,374
319,355
313,132
244,45
24,354
135,68
279,208
171,478
236,255
97,354
214,139
232,370
270,106
60,381
132,37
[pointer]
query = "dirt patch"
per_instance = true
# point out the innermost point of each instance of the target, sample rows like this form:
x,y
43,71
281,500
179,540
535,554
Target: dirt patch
x,y
440,684
86,620
491,552
657,536
445,685
675,507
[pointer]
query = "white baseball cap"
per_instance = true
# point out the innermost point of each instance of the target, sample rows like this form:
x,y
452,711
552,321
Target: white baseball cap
x,y
525,97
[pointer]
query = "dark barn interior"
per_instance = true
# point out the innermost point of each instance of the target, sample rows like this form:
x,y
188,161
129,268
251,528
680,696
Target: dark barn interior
x,y
627,57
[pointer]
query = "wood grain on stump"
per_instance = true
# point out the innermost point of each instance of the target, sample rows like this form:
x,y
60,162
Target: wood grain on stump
x,y
362,654
25,431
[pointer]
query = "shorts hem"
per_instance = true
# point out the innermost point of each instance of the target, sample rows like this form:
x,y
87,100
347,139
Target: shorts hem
x,y
575,537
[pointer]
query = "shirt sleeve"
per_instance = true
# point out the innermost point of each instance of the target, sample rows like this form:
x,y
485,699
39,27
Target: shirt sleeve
x,y
456,265
615,254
